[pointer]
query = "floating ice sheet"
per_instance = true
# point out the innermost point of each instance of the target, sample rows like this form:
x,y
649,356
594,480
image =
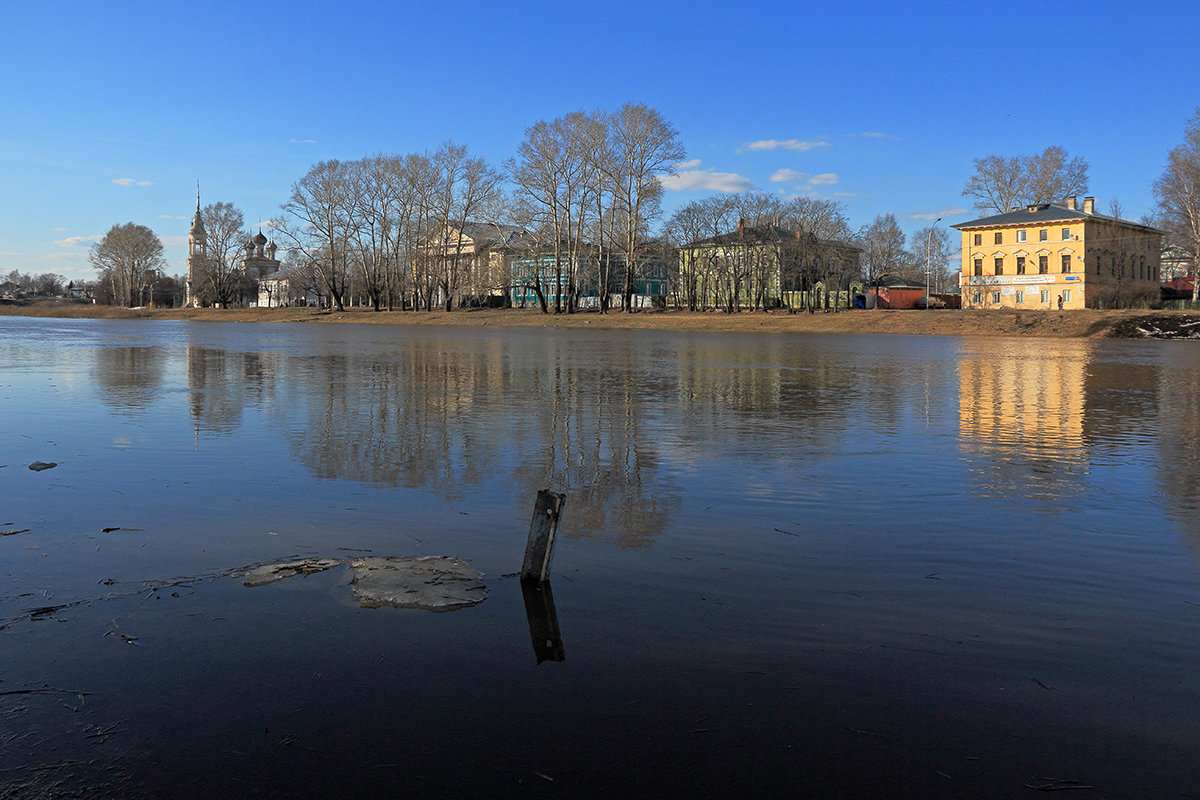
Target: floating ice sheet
x,y
434,583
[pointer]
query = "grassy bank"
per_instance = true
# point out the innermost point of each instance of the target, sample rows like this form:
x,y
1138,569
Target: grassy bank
x,y
1069,324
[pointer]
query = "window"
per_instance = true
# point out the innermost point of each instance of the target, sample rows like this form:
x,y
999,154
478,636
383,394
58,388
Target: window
x,y
999,237
1043,265
996,297
1066,295
1045,296
979,238
1066,264
1020,297
1066,234
1020,236
1145,272
999,266
1020,265
977,298
979,266
1043,235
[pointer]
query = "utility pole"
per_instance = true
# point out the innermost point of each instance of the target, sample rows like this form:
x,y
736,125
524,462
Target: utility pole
x,y
928,243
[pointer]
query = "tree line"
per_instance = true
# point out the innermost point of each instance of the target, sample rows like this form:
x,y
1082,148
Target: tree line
x,y
585,192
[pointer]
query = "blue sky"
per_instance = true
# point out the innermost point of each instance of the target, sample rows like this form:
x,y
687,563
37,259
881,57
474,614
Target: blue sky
x,y
110,112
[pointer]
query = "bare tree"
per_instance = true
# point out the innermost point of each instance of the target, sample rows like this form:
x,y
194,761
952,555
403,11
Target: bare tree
x,y
930,251
883,244
644,146
318,223
1000,183
1178,194
225,227
553,174
127,259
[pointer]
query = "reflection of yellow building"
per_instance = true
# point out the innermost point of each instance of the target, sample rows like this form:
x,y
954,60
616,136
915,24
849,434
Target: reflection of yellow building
x,y
1031,256
1024,417
1021,400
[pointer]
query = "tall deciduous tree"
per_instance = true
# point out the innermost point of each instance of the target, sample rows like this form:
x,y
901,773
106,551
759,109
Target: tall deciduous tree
x,y
1178,194
1000,182
128,259
225,227
644,146
883,246
319,224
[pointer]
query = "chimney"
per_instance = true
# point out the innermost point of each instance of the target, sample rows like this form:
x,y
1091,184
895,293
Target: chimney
x,y
741,225
1089,205
1071,203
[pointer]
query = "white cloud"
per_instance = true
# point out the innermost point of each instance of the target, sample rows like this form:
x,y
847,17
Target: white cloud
x,y
12,254
302,141
168,216
787,175
131,182
824,179
266,223
877,135
173,241
787,144
695,162
57,230
705,179
79,241
61,257
942,213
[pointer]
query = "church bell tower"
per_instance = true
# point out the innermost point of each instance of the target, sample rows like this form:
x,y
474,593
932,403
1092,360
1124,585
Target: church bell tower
x,y
197,255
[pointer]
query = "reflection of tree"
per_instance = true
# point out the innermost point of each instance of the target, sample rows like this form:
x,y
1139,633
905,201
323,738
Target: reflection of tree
x,y
214,390
1178,400
1022,414
221,382
128,376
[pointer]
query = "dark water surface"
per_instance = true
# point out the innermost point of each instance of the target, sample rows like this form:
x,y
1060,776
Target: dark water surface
x,y
789,566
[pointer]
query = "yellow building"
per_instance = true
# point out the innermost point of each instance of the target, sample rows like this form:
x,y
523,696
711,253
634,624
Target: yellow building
x,y
1033,256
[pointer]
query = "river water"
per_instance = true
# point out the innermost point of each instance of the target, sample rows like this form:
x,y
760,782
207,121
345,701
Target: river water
x,y
788,565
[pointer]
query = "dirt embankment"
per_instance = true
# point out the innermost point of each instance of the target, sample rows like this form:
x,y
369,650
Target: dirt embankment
x,y
1090,323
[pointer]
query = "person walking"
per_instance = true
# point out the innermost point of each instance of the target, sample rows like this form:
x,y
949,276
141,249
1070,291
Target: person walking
x,y
1060,302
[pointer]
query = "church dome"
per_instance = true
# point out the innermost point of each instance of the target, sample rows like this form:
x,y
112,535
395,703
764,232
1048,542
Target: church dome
x,y
197,225
260,240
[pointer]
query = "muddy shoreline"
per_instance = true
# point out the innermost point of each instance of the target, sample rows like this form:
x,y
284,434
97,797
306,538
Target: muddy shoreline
x,y
1088,323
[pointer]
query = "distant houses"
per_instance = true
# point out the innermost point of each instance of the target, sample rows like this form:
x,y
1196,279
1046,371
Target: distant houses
x,y
1058,256
765,266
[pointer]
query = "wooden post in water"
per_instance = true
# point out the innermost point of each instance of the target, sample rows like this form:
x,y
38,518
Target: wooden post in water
x,y
542,529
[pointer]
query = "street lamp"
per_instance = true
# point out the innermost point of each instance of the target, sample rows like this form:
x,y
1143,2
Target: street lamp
x,y
928,244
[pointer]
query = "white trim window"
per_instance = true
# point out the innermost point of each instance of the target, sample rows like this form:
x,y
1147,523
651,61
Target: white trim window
x,y
1021,236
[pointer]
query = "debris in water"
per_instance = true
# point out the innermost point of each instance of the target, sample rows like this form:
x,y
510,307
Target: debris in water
x,y
126,639
433,583
38,466
14,532
270,573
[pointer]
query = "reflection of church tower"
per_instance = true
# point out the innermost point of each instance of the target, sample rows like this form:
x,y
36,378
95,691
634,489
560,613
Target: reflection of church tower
x,y
197,255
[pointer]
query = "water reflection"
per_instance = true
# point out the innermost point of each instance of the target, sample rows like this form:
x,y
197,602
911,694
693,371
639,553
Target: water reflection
x,y
1021,421
543,621
128,377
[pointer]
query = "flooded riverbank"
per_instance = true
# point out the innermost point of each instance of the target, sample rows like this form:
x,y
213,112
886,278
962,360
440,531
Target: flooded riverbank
x,y
1084,323
789,565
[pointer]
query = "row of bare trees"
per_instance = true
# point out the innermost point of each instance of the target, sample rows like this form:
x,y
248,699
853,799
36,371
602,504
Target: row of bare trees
x,y
361,225
588,184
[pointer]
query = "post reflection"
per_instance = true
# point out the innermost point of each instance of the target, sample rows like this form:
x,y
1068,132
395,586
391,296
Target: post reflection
x,y
543,621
